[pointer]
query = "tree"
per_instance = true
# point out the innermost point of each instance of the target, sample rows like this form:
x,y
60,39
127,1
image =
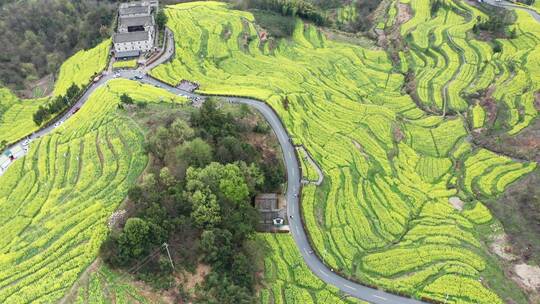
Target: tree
x,y
242,273
72,92
134,239
232,149
213,122
167,179
161,19
158,142
180,131
217,246
149,182
195,153
125,98
233,184
206,211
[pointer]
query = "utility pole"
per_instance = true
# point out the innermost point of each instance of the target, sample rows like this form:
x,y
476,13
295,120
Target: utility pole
x,y
169,254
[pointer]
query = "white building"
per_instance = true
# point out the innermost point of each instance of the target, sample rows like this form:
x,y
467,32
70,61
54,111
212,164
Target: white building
x,y
136,28
134,41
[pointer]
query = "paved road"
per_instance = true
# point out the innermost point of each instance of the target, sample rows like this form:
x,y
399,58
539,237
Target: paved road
x,y
293,187
169,51
293,173
506,4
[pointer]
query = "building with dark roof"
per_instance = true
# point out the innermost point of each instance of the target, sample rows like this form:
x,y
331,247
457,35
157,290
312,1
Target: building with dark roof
x,y
135,24
136,28
134,9
134,41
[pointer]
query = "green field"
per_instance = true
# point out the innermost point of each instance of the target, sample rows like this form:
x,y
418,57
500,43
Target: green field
x,y
106,286
80,67
130,64
55,202
18,112
287,279
391,163
16,116
383,214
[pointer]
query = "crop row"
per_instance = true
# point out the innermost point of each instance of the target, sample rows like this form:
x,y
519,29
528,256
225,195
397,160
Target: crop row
x,y
388,165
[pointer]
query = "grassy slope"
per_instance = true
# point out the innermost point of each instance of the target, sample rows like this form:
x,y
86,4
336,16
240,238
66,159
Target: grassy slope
x,y
55,202
16,115
106,286
287,279
80,67
77,69
380,216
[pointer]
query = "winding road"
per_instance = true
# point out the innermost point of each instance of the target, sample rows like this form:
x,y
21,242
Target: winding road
x,y
293,171
510,5
293,186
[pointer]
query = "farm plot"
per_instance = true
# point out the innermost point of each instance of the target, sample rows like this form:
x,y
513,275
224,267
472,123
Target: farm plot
x,y
449,65
129,64
105,286
389,168
55,202
80,67
287,279
16,116
77,69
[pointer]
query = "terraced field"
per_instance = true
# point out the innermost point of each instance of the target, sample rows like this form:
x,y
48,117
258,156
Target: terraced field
x,y
55,202
16,116
449,65
287,278
383,214
77,69
80,67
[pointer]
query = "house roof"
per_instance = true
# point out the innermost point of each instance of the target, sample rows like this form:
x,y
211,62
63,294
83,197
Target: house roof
x,y
134,9
126,54
135,21
131,37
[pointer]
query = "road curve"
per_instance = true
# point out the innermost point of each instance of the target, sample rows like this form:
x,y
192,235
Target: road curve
x,y
293,172
293,186
509,5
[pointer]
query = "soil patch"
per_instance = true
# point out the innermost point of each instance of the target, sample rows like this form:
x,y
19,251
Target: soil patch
x,y
518,209
40,88
501,247
528,275
191,280
456,202
404,13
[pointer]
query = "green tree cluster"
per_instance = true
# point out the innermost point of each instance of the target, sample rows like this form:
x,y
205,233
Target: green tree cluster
x,y
37,36
57,105
197,196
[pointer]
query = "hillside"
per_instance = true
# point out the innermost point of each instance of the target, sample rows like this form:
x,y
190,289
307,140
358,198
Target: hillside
x,y
425,128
